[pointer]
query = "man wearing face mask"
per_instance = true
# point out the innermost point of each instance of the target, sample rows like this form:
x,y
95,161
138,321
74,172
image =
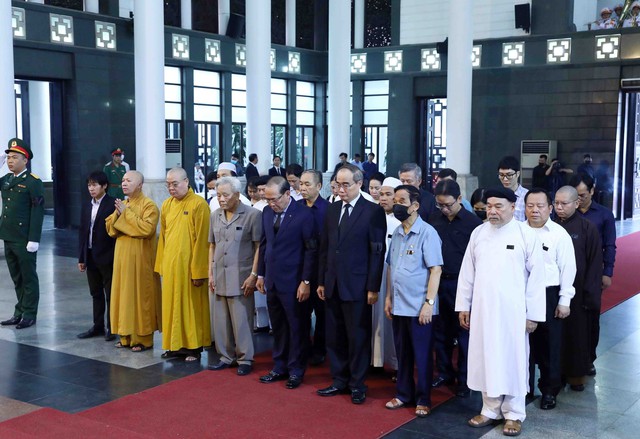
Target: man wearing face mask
x,y
501,297
454,225
413,275
235,160
181,260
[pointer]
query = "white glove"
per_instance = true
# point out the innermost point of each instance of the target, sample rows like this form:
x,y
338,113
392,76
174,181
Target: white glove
x,y
32,246
3,158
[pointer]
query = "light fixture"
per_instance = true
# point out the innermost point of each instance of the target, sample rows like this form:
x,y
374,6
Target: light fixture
x,y
18,23
476,56
429,59
513,54
61,28
105,35
359,63
241,55
212,51
180,46
607,47
294,62
393,61
559,51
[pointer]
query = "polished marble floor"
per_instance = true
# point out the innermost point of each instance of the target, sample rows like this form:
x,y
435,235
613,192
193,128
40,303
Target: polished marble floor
x,y
47,366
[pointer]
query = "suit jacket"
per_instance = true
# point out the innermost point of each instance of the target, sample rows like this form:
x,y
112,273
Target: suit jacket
x,y
274,173
427,205
352,261
102,244
22,208
290,257
251,171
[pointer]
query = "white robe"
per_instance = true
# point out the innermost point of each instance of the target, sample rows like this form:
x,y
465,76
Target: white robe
x,y
502,283
382,348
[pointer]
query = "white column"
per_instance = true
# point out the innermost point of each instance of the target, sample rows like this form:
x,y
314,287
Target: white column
x,y
185,14
259,81
92,6
40,128
224,11
291,23
459,76
358,24
149,87
7,93
338,87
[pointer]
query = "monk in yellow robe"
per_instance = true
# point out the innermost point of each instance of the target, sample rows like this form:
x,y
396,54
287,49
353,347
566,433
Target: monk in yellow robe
x,y
135,288
182,261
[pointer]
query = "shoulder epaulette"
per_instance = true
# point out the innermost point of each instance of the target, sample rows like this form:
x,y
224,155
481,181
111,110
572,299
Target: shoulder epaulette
x,y
35,176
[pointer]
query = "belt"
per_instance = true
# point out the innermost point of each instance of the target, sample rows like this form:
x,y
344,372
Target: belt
x,y
449,276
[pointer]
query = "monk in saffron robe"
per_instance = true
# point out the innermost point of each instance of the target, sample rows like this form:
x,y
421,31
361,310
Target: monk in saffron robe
x,y
135,289
182,261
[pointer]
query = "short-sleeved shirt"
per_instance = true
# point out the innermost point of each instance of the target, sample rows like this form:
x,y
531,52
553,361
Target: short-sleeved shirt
x,y
234,251
410,257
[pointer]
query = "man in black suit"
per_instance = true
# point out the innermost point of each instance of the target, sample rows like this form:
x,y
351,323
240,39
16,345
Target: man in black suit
x,y
411,174
96,253
277,170
252,170
286,261
352,248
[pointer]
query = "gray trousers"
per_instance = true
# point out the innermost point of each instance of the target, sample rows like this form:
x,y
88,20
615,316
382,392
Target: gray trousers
x,y
233,328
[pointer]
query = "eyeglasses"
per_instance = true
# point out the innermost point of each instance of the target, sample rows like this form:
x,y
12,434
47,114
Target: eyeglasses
x,y
508,176
273,200
174,184
448,205
344,186
563,203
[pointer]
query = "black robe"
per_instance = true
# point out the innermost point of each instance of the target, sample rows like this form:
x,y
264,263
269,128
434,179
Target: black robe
x,y
588,284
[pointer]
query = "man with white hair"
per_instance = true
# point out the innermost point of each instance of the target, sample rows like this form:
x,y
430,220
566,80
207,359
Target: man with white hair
x,y
234,239
227,169
501,297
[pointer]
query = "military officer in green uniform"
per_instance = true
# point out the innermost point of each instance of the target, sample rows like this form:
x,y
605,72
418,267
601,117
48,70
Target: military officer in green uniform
x,y
21,228
115,170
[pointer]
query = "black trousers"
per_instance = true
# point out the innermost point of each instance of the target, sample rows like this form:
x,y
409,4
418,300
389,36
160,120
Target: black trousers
x,y
546,347
594,326
289,320
319,347
446,327
99,278
348,341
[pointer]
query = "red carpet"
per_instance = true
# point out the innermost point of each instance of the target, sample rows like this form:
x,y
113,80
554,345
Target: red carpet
x,y
626,278
224,405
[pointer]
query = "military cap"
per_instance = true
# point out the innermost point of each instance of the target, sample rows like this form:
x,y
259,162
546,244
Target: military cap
x,y
117,151
500,192
19,145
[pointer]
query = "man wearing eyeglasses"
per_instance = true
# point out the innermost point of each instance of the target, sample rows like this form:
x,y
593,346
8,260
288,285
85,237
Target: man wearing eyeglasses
x,y
454,225
501,299
181,260
287,258
509,176
560,270
578,327
352,247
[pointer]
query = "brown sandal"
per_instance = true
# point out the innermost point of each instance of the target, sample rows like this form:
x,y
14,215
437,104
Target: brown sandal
x,y
422,411
479,421
512,427
394,404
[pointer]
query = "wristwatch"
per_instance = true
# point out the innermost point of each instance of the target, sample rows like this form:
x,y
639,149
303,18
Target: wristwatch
x,y
430,301
306,282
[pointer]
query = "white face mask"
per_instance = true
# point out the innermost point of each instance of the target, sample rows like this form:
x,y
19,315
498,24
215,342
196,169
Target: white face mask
x,y
211,193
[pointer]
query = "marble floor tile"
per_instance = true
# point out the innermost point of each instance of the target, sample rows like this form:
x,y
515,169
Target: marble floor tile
x,y
11,408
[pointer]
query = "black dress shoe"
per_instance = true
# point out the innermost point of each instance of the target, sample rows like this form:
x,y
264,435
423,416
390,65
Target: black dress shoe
x,y
592,371
25,323
316,360
462,391
577,387
272,377
358,396
108,336
218,366
440,381
244,369
548,402
330,391
261,329
90,333
293,382
12,321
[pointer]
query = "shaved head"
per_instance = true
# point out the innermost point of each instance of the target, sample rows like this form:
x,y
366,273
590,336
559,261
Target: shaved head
x,y
569,191
177,173
177,183
132,183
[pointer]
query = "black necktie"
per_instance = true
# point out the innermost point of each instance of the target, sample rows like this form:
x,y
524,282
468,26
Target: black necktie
x,y
345,219
276,225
